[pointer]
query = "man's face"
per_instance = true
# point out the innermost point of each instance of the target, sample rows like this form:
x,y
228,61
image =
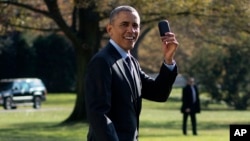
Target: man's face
x,y
191,81
125,29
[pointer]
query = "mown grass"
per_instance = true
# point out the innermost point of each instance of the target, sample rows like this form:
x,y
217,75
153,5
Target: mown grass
x,y
159,121
27,124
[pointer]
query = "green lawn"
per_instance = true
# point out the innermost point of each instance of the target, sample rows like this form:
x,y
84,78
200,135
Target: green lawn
x,y
159,121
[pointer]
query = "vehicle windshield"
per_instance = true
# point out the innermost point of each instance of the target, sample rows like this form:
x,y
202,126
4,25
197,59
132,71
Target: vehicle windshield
x,y
5,86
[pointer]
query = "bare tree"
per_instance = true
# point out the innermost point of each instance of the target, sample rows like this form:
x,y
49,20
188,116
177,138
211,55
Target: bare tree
x,y
84,34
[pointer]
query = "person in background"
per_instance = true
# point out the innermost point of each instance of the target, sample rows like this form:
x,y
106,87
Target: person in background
x,y
190,105
115,84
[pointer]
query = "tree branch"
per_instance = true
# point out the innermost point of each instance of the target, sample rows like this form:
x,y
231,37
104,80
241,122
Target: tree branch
x,y
29,7
33,28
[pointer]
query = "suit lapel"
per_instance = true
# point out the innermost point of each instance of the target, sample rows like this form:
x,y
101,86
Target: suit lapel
x,y
123,68
126,74
121,65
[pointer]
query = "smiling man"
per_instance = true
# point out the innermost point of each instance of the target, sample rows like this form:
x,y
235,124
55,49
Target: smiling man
x,y
115,83
124,28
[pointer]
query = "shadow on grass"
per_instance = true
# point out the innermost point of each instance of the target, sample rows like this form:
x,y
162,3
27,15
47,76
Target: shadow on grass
x,y
39,131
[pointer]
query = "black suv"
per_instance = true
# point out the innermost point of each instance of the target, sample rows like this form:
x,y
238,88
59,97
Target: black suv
x,y
22,90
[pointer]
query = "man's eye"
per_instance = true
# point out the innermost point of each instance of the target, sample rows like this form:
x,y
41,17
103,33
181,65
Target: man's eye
x,y
124,25
136,26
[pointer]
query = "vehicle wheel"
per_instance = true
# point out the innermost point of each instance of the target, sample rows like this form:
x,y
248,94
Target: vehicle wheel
x,y
37,102
7,104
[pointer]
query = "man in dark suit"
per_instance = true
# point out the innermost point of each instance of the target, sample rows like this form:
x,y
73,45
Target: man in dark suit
x,y
115,88
190,105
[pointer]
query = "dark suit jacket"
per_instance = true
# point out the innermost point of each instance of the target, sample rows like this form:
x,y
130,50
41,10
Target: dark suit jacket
x,y
113,101
187,99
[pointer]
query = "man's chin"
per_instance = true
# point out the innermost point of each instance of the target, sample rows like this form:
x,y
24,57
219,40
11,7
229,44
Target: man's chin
x,y
130,47
127,48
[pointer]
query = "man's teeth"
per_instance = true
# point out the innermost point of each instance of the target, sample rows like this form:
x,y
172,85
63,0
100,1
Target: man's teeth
x,y
129,38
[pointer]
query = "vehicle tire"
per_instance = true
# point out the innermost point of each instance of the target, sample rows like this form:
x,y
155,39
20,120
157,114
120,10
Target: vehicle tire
x,y
37,102
7,104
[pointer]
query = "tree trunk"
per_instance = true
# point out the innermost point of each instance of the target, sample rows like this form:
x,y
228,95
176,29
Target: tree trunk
x,y
90,39
79,112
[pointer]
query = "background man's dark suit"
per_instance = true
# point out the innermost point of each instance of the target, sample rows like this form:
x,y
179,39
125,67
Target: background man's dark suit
x,y
188,103
113,102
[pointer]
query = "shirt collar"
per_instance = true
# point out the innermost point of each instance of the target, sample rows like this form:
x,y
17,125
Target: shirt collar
x,y
123,53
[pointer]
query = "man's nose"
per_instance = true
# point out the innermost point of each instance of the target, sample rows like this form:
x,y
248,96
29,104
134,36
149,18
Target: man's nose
x,y
131,29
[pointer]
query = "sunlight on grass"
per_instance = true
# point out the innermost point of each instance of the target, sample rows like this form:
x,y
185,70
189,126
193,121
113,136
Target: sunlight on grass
x,y
158,122
164,124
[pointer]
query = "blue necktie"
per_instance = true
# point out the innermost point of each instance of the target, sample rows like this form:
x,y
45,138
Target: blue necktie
x,y
128,60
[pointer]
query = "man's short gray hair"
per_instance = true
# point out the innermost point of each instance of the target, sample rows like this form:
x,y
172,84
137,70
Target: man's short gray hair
x,y
118,9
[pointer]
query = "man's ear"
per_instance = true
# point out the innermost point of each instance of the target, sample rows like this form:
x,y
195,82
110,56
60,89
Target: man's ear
x,y
109,28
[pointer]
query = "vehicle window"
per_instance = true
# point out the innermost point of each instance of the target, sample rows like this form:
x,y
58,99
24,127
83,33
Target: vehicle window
x,y
25,86
16,86
36,83
5,86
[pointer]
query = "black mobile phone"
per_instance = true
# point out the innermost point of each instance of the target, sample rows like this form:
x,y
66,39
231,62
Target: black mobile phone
x,y
163,27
